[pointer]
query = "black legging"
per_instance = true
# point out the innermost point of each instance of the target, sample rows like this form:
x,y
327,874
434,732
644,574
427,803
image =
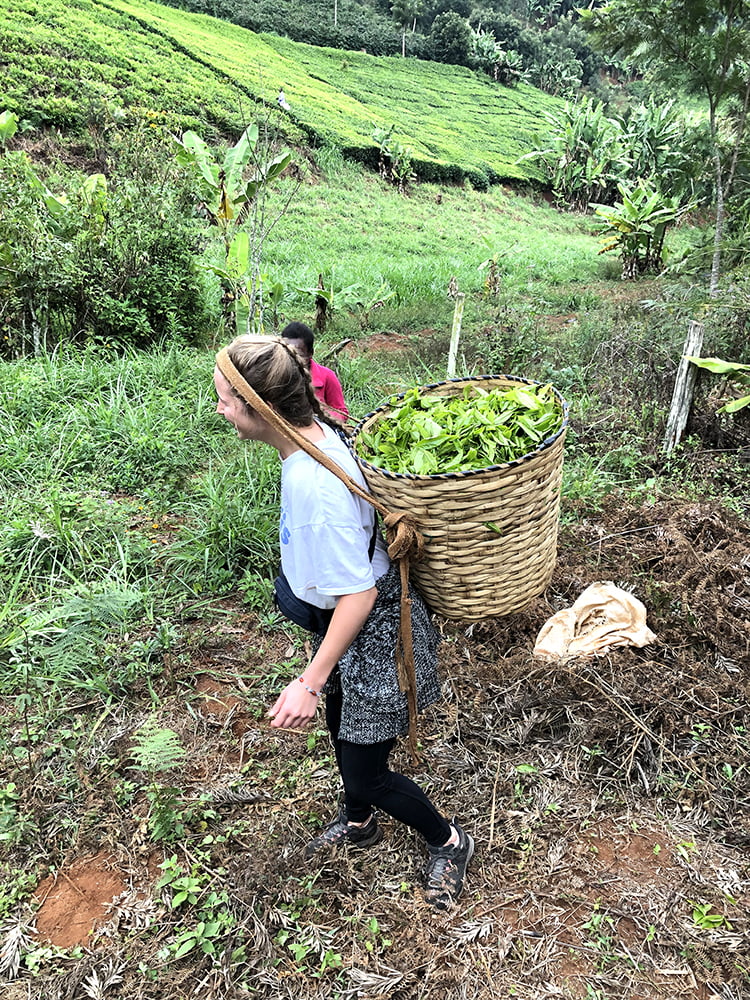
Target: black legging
x,y
368,782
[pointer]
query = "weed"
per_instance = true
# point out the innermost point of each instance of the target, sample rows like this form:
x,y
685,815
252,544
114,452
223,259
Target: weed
x,y
256,590
312,949
157,751
594,993
685,850
602,937
184,888
704,917
376,939
210,920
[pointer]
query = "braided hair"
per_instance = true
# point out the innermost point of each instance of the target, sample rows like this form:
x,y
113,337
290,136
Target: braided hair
x,y
280,376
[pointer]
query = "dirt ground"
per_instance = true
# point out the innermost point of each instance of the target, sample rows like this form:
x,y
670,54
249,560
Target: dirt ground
x,y
608,797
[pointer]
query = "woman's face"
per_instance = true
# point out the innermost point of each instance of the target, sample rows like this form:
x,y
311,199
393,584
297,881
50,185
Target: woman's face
x,y
248,425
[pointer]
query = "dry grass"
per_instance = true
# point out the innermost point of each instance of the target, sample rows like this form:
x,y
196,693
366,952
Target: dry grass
x,y
608,800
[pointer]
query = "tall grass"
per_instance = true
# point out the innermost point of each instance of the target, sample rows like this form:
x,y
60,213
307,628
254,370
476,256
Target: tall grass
x,y
362,236
123,425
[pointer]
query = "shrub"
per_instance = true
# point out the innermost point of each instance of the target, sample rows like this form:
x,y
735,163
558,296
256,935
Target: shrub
x,y
478,180
95,261
451,38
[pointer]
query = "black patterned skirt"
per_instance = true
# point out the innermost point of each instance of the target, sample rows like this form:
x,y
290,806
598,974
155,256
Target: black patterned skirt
x,y
373,707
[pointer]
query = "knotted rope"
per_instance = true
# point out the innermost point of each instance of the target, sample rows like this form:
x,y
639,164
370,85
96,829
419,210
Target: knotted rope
x,y
402,535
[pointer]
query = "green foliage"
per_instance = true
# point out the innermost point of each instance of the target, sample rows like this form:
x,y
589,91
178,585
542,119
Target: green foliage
x,y
396,159
211,920
8,126
542,41
591,151
739,373
668,148
421,245
230,191
124,428
706,919
155,749
586,154
636,227
405,14
358,25
450,35
701,46
428,433
504,66
9,820
231,523
226,191
51,650
94,262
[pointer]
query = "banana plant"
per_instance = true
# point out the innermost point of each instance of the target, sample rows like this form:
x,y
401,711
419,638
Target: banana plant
x,y
636,226
226,192
738,372
8,126
396,159
586,154
229,186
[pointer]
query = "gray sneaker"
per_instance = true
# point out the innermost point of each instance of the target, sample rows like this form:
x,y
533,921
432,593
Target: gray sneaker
x,y
446,869
339,832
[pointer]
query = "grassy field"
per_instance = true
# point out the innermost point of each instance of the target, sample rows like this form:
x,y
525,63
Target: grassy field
x,y
348,226
79,62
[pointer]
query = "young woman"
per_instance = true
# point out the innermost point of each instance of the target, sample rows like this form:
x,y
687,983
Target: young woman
x,y
328,556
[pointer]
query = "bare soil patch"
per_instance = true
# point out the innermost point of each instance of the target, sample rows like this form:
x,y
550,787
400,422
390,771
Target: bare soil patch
x,y
76,900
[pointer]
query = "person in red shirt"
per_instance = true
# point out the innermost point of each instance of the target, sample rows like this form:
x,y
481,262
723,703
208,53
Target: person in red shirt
x,y
325,381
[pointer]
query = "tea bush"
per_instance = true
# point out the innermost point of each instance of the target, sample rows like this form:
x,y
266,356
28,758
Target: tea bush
x,y
208,75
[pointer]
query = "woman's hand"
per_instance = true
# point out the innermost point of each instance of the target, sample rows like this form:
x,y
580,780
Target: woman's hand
x,y
294,707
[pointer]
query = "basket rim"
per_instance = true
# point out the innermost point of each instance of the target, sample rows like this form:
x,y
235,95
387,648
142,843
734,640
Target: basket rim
x,y
547,443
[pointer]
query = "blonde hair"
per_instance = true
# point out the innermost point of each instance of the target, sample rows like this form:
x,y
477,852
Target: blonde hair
x,y
278,373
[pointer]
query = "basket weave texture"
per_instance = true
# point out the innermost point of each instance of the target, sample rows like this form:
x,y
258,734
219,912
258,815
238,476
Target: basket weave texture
x,y
490,534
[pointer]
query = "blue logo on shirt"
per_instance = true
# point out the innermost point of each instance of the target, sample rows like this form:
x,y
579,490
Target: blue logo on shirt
x,y
284,532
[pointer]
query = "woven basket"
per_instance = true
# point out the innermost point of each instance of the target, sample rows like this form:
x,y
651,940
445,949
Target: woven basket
x,y
490,534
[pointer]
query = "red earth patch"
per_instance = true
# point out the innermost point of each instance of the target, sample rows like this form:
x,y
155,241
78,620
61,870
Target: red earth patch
x,y
76,901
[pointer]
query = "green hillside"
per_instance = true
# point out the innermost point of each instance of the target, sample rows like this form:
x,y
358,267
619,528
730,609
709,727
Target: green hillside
x,y
65,62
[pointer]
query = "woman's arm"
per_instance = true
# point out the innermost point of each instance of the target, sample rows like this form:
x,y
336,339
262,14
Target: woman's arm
x,y
295,706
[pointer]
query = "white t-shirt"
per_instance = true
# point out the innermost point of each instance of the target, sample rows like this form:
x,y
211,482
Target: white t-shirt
x,y
325,530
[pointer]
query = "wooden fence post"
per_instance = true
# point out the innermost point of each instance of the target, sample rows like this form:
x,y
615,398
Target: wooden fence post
x,y
684,387
455,333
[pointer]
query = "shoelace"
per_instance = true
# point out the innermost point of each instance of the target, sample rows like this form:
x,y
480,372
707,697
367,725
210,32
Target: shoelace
x,y
440,871
334,830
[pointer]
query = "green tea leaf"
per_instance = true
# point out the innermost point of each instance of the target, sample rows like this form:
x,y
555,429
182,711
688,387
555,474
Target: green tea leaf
x,y
430,433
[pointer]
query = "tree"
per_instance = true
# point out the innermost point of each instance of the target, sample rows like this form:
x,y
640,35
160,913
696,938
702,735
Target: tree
x,y
700,46
405,14
451,38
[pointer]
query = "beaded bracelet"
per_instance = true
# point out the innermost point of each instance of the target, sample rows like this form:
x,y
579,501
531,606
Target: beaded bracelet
x,y
308,689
